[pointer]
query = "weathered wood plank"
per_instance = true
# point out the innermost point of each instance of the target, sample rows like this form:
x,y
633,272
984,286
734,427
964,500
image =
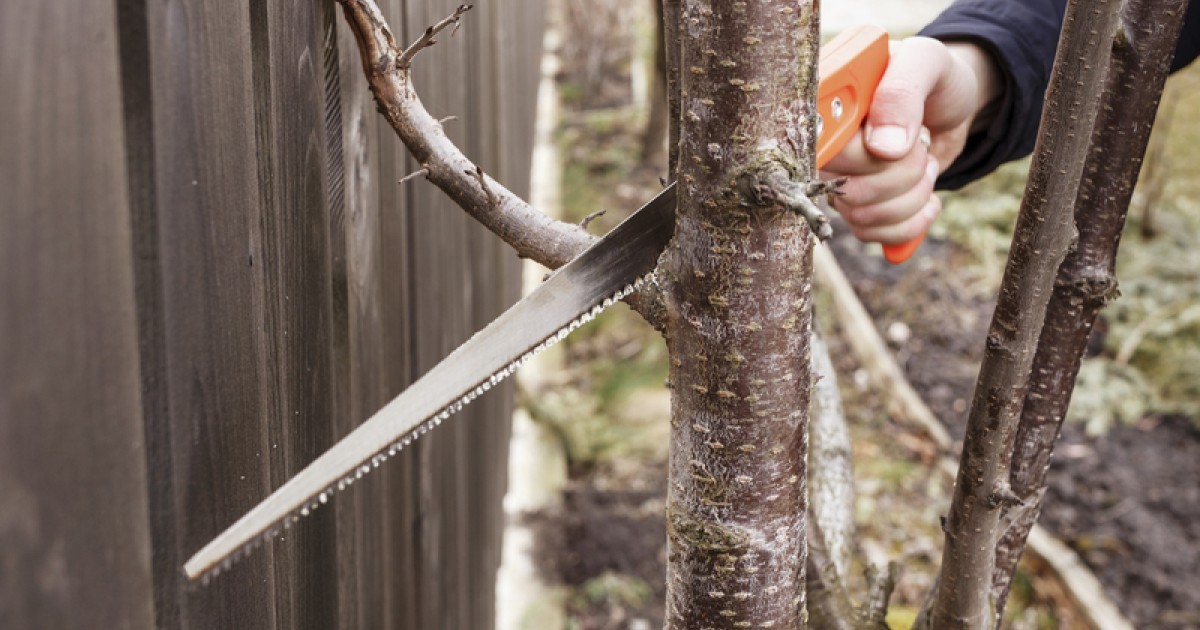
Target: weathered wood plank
x,y
73,522
434,231
398,503
363,571
297,306
199,275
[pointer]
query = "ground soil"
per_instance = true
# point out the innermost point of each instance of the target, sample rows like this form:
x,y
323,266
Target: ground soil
x,y
1128,502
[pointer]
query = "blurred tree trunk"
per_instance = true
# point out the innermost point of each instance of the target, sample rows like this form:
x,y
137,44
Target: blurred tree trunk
x,y
737,279
654,136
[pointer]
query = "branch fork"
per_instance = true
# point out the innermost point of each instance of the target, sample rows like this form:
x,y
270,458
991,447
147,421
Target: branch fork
x,y
404,61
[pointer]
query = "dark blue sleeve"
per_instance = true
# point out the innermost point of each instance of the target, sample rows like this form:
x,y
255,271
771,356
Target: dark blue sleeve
x,y
1022,36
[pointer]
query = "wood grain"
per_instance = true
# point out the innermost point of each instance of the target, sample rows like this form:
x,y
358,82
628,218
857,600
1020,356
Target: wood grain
x,y
73,519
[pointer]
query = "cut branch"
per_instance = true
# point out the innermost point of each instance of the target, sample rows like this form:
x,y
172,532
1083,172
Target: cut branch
x,y
1044,232
1086,282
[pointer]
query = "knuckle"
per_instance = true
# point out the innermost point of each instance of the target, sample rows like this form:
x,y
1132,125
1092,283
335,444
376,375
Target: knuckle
x,y
897,96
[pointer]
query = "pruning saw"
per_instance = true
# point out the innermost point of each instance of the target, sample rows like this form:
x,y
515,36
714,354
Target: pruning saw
x,y
851,65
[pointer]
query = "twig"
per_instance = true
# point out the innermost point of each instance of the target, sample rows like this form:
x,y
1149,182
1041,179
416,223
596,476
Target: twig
x,y
413,175
591,217
477,173
775,184
404,61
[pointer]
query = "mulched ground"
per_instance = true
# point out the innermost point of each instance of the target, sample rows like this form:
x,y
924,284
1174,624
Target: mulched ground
x,y
1128,502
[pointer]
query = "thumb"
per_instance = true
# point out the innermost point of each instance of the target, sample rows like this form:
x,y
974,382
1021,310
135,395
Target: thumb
x,y
898,107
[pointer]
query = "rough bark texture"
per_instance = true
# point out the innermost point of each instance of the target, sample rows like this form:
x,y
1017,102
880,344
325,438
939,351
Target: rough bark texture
x,y
1086,282
737,279
1043,234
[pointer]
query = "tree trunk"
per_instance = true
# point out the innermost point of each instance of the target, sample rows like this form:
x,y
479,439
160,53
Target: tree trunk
x,y
1043,234
1087,281
737,279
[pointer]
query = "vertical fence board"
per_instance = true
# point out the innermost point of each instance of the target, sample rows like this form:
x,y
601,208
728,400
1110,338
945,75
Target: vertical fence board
x,y
362,569
400,511
202,386
73,521
296,232
433,316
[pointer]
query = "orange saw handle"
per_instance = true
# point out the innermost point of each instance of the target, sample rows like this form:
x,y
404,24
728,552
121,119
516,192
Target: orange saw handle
x,y
851,66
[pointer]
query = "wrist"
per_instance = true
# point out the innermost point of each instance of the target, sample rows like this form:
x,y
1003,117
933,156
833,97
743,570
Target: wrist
x,y
989,86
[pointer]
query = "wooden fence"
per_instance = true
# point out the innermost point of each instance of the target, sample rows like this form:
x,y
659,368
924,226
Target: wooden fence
x,y
208,274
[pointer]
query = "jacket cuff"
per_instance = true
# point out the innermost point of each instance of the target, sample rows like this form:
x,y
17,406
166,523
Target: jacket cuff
x,y
1023,44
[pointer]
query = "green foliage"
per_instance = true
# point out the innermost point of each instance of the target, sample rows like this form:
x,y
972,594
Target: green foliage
x,y
612,590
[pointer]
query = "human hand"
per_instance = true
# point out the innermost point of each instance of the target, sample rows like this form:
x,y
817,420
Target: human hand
x,y
927,102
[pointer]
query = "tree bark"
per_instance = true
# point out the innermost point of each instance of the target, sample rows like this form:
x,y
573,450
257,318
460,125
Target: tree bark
x,y
1086,282
1043,234
737,281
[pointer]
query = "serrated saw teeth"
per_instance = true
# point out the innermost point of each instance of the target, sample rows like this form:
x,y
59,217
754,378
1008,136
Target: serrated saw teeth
x,y
572,296
219,555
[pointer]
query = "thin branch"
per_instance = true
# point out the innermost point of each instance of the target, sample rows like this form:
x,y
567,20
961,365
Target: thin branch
x,y
404,61
591,217
531,233
413,175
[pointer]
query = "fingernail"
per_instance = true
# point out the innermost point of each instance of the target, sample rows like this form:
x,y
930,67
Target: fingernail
x,y
889,138
932,168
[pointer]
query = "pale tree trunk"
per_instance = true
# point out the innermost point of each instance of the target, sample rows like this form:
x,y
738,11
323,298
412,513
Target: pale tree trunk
x,y
654,136
737,279
1087,281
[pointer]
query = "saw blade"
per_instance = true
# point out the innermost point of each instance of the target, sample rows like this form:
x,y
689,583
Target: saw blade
x,y
611,269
